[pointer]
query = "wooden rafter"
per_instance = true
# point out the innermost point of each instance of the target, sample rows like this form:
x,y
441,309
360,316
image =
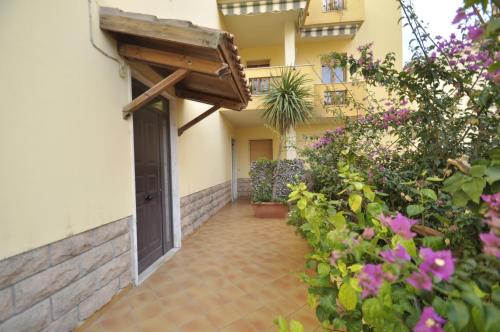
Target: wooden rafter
x,y
146,75
206,98
155,91
172,59
200,117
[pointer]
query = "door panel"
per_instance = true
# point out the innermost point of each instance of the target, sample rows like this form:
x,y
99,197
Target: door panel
x,y
153,220
261,149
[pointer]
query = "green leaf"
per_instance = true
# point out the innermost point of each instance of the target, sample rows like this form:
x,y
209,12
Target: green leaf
x,y
454,182
302,203
460,199
434,179
409,245
440,306
374,209
434,242
429,193
492,321
355,267
477,171
323,269
282,324
478,318
474,188
348,297
372,310
495,153
327,303
493,174
458,314
369,193
296,326
338,220
414,209
355,201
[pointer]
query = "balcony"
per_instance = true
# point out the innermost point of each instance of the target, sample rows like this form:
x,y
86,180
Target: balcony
x,y
333,18
327,97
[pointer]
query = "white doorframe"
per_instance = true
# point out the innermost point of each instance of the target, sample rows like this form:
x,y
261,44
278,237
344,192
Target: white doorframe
x,y
234,169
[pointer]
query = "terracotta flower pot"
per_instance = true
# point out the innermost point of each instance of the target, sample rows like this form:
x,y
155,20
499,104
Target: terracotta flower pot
x,y
270,210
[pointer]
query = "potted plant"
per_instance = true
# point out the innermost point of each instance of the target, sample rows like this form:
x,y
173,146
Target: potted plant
x,y
287,104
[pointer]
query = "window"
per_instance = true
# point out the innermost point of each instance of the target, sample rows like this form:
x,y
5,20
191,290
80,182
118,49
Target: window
x,y
261,149
329,5
335,97
258,63
337,75
260,85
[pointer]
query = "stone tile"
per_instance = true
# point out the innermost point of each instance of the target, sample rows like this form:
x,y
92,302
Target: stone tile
x,y
96,257
110,231
73,246
46,283
121,244
14,269
34,319
113,269
69,297
6,304
96,301
66,323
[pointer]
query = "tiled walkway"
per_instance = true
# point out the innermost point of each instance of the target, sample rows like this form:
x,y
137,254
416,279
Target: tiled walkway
x,y
235,273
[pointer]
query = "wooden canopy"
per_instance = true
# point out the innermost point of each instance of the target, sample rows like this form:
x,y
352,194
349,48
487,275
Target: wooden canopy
x,y
201,63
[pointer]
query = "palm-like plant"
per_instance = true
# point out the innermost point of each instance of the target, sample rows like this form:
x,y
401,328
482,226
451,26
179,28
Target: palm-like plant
x,y
287,104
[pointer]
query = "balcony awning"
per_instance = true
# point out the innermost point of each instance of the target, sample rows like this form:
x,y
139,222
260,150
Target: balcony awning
x,y
202,64
261,7
348,30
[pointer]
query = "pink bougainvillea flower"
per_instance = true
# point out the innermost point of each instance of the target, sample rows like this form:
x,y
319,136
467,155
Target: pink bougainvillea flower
x,y
475,32
420,280
438,263
491,244
429,321
460,16
368,233
334,257
399,225
493,201
398,254
370,279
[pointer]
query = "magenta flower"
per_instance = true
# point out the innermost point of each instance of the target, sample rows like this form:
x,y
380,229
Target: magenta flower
x,y
420,280
398,254
399,225
439,263
368,233
460,16
429,321
475,32
334,257
493,201
491,244
370,279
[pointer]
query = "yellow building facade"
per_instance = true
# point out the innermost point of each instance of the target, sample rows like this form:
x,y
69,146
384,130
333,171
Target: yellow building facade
x,y
68,168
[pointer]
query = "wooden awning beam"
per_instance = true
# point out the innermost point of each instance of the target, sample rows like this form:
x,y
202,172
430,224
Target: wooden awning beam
x,y
154,91
170,59
207,99
200,117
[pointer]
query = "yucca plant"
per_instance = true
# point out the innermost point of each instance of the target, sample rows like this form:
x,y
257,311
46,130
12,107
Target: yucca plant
x,y
287,105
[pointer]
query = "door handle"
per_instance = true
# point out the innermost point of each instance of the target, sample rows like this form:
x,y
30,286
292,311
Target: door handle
x,y
149,197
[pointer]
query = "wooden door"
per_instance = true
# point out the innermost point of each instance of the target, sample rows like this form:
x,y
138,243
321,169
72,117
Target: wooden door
x,y
261,149
154,222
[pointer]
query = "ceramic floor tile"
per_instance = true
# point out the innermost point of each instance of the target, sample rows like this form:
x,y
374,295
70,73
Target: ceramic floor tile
x,y
235,273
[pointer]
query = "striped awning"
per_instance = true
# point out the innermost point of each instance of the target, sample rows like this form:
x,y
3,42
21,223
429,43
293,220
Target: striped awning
x,y
330,31
261,7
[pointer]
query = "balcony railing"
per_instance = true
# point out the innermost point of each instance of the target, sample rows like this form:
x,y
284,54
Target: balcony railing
x,y
326,96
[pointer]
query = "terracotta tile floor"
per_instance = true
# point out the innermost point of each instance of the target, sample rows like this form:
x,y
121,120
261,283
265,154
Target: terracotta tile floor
x,y
235,273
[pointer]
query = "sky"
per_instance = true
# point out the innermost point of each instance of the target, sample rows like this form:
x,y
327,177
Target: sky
x,y
438,14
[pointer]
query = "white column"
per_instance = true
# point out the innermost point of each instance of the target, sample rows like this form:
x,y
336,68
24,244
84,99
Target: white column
x,y
289,32
291,141
289,43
